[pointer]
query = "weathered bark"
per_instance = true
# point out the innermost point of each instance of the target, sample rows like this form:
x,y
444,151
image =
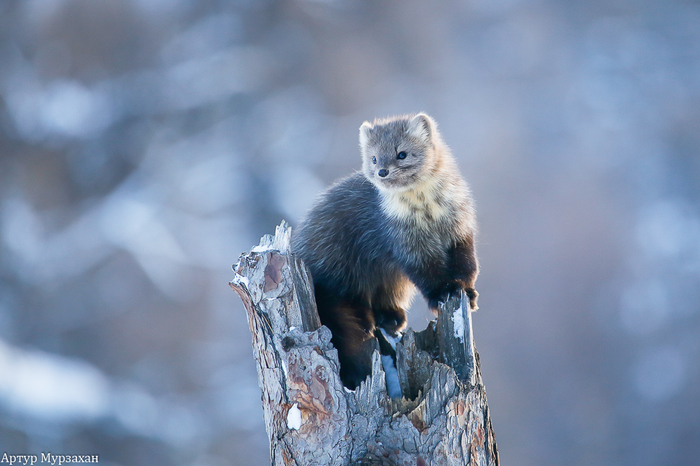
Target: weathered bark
x,y
311,419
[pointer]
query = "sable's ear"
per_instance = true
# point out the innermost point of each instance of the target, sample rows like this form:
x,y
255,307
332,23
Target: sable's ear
x,y
364,133
421,127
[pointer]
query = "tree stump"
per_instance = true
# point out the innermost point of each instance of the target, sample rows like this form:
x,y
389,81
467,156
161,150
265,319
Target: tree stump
x,y
312,419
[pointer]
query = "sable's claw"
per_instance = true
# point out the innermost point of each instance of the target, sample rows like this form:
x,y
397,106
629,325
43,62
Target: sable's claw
x,y
473,295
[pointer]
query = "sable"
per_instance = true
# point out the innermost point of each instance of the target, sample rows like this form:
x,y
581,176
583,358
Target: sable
x,y
405,221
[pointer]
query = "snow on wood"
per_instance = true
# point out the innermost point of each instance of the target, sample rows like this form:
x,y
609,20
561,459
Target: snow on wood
x,y
294,417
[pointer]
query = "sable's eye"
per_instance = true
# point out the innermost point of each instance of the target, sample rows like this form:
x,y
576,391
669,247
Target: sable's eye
x,y
374,160
401,155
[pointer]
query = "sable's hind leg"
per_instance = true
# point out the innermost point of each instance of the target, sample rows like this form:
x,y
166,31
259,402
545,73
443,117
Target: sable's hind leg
x,y
353,337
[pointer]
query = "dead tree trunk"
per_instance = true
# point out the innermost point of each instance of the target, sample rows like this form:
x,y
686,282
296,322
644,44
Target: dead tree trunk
x,y
311,419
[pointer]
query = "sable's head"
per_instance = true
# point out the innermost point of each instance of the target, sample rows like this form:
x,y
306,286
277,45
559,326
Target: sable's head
x,y
397,153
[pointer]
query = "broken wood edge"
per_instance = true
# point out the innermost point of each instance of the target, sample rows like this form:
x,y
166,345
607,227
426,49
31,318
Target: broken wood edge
x,y
456,337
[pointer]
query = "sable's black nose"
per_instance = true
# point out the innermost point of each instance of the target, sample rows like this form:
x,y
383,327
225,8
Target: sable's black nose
x,y
383,172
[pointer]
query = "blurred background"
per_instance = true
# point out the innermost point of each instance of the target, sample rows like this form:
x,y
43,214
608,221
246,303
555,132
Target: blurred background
x,y
145,144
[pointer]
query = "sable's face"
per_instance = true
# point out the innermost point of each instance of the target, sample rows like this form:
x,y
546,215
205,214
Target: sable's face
x,y
397,154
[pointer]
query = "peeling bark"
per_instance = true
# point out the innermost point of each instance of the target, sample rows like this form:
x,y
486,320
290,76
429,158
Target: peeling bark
x,y
311,419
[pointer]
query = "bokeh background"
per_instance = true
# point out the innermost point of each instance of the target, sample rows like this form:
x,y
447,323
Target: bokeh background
x,y
145,144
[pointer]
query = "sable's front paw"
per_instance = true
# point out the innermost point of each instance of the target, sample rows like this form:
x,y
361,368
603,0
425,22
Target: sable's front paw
x,y
473,295
452,289
442,295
